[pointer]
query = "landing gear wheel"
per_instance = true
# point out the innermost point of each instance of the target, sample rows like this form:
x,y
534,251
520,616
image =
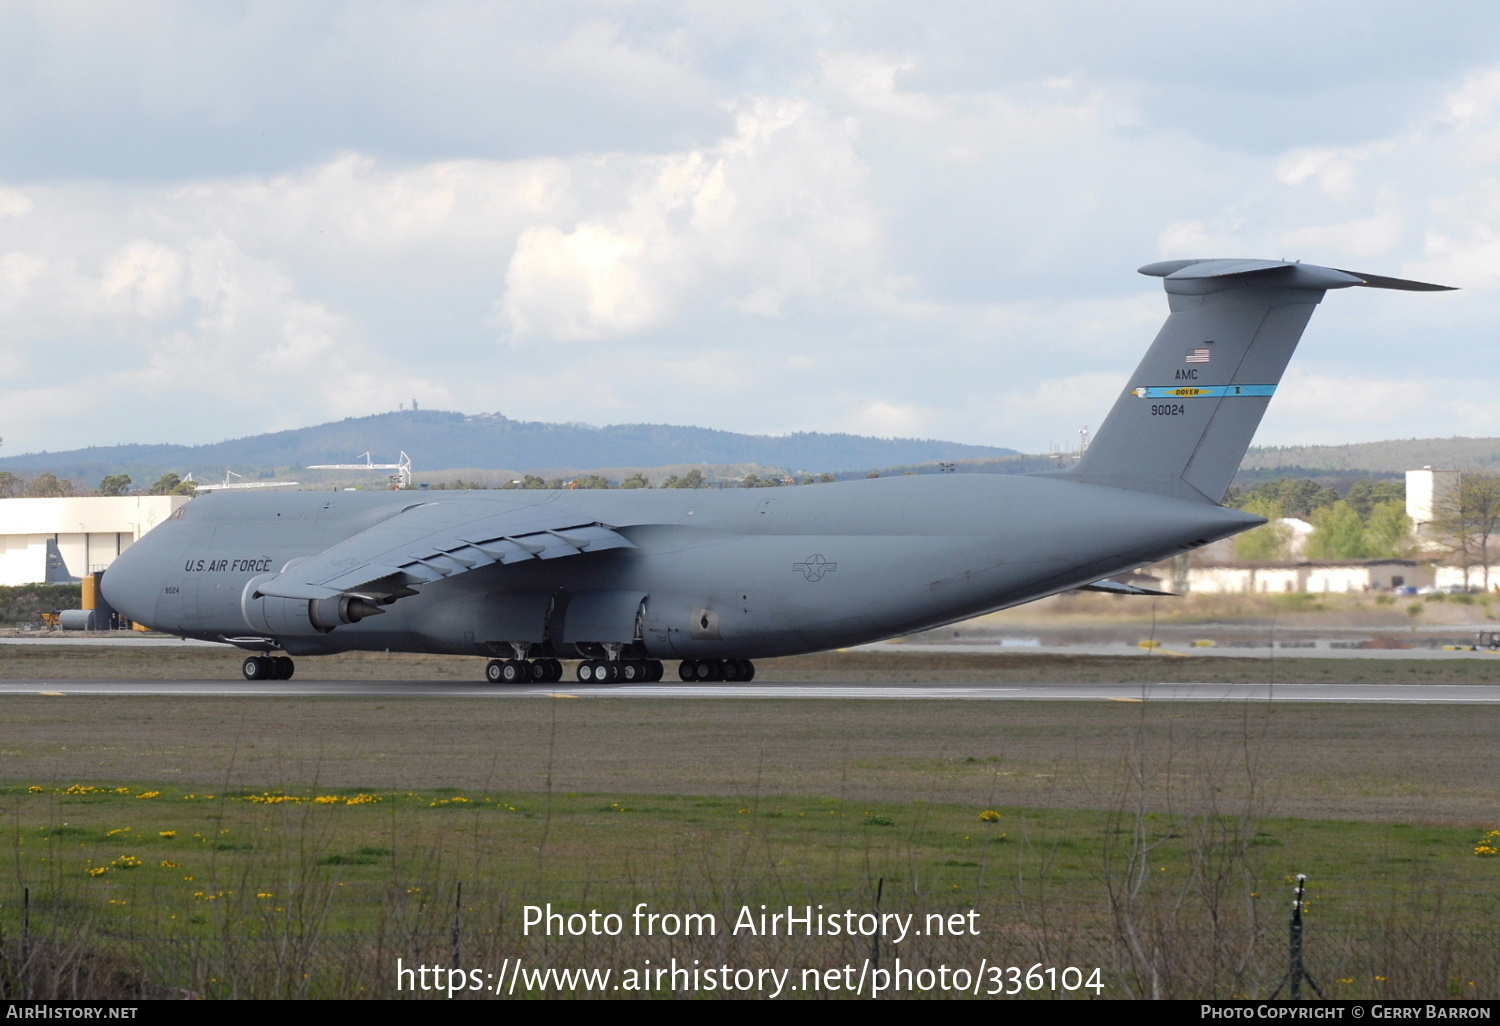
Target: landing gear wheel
x,y
606,672
708,669
493,672
747,672
733,669
632,671
284,667
687,669
256,668
654,671
515,671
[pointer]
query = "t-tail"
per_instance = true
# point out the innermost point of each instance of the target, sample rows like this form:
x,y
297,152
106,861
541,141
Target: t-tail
x,y
1184,421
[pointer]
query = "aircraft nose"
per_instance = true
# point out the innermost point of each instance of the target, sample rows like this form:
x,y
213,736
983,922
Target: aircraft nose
x,y
129,587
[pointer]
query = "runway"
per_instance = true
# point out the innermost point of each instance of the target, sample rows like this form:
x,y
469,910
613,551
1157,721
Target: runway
x,y
1424,694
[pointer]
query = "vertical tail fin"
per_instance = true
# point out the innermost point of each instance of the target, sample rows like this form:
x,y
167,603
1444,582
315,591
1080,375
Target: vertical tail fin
x,y
1185,419
57,569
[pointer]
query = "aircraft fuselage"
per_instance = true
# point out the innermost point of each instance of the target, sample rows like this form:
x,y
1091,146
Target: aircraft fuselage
x,y
708,573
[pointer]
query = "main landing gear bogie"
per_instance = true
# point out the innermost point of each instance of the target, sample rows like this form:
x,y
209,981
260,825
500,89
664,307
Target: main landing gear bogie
x,y
268,668
523,671
739,671
620,671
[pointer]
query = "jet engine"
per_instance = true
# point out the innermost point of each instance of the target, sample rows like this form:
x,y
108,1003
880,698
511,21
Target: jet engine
x,y
283,617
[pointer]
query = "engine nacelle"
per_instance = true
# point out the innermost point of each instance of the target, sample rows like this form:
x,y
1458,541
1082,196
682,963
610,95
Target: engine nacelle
x,y
287,617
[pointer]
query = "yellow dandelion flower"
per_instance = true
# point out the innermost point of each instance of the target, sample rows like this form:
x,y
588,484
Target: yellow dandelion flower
x,y
168,864
36,788
989,816
97,870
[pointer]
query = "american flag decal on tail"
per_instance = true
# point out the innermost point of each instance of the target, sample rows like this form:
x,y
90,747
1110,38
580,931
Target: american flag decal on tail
x,y
1199,355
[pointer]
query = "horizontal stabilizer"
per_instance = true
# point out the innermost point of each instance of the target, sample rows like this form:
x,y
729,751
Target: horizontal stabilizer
x,y
1218,274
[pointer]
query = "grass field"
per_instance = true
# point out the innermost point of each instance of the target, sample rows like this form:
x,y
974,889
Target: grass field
x,y
1152,841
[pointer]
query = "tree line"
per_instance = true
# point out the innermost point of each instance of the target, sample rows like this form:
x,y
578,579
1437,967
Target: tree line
x,y
49,486
1368,521
692,479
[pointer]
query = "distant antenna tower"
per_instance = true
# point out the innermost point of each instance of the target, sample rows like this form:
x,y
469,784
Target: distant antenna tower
x,y
231,485
1083,440
400,479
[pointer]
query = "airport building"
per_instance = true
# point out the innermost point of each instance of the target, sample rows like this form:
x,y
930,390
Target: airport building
x,y
1345,576
90,532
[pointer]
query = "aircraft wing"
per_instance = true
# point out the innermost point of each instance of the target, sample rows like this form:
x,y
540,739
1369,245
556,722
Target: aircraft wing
x,y
435,540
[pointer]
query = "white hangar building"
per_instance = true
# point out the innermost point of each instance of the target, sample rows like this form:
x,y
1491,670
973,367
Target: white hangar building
x,y
90,532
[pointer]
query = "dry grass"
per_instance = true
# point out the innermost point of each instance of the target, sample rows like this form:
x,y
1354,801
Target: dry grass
x,y
1150,839
1408,763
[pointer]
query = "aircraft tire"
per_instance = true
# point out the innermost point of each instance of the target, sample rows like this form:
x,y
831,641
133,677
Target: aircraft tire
x,y
708,669
493,672
515,671
656,671
730,669
255,668
609,673
547,671
284,668
749,673
687,669
585,671
632,671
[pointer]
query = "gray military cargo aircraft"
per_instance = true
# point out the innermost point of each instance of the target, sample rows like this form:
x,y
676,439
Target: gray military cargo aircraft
x,y
715,578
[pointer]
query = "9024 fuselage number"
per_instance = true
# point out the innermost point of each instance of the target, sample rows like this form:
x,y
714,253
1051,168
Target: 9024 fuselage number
x,y
1168,410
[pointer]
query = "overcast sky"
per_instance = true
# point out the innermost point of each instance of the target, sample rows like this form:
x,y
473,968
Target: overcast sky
x,y
888,218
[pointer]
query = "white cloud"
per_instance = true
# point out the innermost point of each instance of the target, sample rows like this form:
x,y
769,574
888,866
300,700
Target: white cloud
x,y
583,286
888,420
146,277
772,221
1372,236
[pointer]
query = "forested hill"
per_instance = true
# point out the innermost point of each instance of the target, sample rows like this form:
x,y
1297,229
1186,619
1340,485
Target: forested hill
x,y
1390,457
439,440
